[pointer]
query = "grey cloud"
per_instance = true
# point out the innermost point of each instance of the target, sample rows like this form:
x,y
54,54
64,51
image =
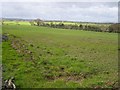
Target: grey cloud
x,y
77,11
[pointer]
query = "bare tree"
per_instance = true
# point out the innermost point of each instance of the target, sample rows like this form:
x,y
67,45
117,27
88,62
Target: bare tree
x,y
39,22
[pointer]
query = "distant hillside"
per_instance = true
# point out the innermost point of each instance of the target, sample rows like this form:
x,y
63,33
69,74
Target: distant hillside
x,y
17,19
21,19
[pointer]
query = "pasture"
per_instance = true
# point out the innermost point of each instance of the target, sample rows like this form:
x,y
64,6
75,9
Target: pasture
x,y
8,22
43,57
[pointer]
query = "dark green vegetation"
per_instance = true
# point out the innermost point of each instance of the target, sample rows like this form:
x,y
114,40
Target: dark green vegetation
x,y
97,27
59,58
79,26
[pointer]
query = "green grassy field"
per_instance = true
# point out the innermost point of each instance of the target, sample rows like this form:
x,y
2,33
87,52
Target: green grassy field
x,y
7,22
57,58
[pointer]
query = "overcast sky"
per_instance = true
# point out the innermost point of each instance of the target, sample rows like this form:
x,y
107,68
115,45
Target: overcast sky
x,y
71,11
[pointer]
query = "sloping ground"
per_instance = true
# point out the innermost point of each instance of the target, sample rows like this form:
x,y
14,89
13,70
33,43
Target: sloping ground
x,y
51,58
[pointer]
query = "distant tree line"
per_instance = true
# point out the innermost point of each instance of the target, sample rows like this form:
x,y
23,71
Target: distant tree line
x,y
112,28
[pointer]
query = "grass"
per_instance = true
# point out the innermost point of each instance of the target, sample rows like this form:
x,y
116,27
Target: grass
x,y
60,58
16,22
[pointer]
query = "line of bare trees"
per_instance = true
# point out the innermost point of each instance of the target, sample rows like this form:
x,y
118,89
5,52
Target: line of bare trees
x,y
112,28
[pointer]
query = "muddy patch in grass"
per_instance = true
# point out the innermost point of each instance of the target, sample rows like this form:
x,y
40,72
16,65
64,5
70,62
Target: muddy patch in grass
x,y
20,46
